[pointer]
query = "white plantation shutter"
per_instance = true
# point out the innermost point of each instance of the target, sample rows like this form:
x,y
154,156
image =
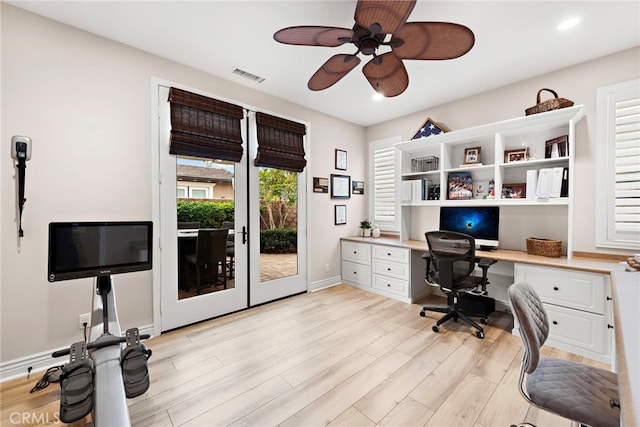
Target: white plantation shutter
x,y
383,206
618,222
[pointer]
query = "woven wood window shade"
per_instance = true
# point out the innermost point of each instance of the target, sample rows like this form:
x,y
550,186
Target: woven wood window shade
x,y
204,127
280,143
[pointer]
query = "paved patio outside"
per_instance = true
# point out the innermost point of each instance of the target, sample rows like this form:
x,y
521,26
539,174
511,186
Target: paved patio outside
x,y
272,267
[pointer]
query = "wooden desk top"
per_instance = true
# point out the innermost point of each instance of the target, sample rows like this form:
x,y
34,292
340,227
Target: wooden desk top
x,y
589,265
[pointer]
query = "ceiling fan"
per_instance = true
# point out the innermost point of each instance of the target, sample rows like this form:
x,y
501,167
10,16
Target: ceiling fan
x,y
380,23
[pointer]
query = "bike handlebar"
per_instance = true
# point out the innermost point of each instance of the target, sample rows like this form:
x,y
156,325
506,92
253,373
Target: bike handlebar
x,y
103,341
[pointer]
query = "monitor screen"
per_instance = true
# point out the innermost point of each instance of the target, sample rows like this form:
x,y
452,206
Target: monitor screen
x,y
481,222
92,249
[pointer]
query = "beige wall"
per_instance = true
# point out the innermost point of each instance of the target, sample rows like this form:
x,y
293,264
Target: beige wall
x,y
86,103
578,83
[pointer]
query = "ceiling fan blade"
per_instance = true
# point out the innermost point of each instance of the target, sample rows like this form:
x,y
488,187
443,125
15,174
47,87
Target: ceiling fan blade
x,y
313,36
387,75
390,14
332,71
433,40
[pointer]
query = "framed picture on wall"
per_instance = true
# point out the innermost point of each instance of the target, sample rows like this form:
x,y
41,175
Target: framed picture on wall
x,y
341,160
320,185
357,187
340,186
340,214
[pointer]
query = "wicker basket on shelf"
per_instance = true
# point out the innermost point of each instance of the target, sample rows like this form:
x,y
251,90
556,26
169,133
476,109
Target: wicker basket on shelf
x,y
548,105
544,247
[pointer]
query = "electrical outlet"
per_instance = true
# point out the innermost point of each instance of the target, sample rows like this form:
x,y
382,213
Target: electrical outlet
x,y
326,268
84,318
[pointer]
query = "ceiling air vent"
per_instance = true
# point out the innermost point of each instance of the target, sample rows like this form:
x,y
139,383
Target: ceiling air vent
x,y
248,75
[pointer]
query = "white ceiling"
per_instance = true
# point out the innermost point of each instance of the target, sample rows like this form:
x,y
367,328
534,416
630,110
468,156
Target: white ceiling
x,y
515,40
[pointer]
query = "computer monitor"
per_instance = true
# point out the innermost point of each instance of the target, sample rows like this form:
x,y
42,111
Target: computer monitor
x,y
94,249
481,222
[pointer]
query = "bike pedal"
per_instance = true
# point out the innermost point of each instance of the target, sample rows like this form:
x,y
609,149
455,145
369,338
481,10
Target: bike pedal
x,y
76,385
133,360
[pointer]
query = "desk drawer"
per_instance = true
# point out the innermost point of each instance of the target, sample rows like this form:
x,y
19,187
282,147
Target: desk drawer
x,y
356,252
387,284
390,268
568,288
356,273
391,254
576,328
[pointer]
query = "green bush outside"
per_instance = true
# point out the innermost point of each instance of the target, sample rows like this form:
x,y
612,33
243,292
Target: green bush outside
x,y
278,241
211,214
208,214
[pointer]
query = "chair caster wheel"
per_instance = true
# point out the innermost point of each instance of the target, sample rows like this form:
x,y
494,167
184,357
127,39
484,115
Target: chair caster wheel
x,y
484,320
422,314
480,334
435,328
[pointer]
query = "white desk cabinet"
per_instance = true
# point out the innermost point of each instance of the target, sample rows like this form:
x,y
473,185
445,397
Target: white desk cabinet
x,y
385,270
356,264
578,305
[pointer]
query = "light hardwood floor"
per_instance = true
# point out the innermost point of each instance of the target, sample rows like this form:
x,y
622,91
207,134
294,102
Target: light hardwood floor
x,y
336,357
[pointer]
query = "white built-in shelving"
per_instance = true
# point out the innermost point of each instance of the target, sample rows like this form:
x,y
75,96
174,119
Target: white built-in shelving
x,y
528,132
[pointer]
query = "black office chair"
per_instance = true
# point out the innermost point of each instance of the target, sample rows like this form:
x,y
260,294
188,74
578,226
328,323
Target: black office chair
x,y
210,258
450,263
584,394
231,251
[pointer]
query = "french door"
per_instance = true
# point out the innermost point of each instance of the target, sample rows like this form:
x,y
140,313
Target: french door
x,y
251,276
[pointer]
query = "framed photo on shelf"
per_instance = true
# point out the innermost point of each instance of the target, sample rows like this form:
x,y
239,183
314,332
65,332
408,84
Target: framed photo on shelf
x,y
472,155
320,185
481,189
340,214
519,155
357,187
340,186
341,160
460,186
556,147
514,191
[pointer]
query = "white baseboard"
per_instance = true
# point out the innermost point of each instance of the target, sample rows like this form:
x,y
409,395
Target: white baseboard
x,y
326,283
40,362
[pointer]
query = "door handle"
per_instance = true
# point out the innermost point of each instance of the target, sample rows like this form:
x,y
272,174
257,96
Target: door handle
x,y
244,235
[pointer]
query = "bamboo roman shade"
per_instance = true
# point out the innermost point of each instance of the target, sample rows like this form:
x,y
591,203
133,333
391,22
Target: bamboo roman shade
x,y
280,143
204,127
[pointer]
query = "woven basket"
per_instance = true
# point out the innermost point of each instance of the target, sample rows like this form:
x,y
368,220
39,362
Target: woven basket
x,y
548,105
544,247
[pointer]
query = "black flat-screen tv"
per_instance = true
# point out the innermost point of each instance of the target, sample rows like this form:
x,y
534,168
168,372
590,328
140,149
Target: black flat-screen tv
x,y
92,249
481,222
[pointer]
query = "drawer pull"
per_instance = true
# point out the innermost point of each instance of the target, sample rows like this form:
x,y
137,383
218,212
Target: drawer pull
x,y
609,298
609,326
388,268
355,252
554,322
388,285
388,254
555,288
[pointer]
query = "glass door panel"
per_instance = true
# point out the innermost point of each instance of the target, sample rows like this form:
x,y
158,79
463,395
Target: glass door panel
x,y
195,195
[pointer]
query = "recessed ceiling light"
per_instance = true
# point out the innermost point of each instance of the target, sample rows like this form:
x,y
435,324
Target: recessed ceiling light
x,y
569,23
377,96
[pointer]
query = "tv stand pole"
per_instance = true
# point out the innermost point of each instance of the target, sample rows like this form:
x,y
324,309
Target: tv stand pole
x,y
110,402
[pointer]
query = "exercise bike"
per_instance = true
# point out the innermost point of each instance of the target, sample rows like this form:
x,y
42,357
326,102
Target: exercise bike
x,y
101,374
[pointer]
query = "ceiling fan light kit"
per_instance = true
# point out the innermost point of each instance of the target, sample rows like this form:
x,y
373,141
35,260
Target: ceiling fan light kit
x,y
375,20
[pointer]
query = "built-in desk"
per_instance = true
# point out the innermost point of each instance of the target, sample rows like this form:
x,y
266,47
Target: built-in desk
x,y
593,297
